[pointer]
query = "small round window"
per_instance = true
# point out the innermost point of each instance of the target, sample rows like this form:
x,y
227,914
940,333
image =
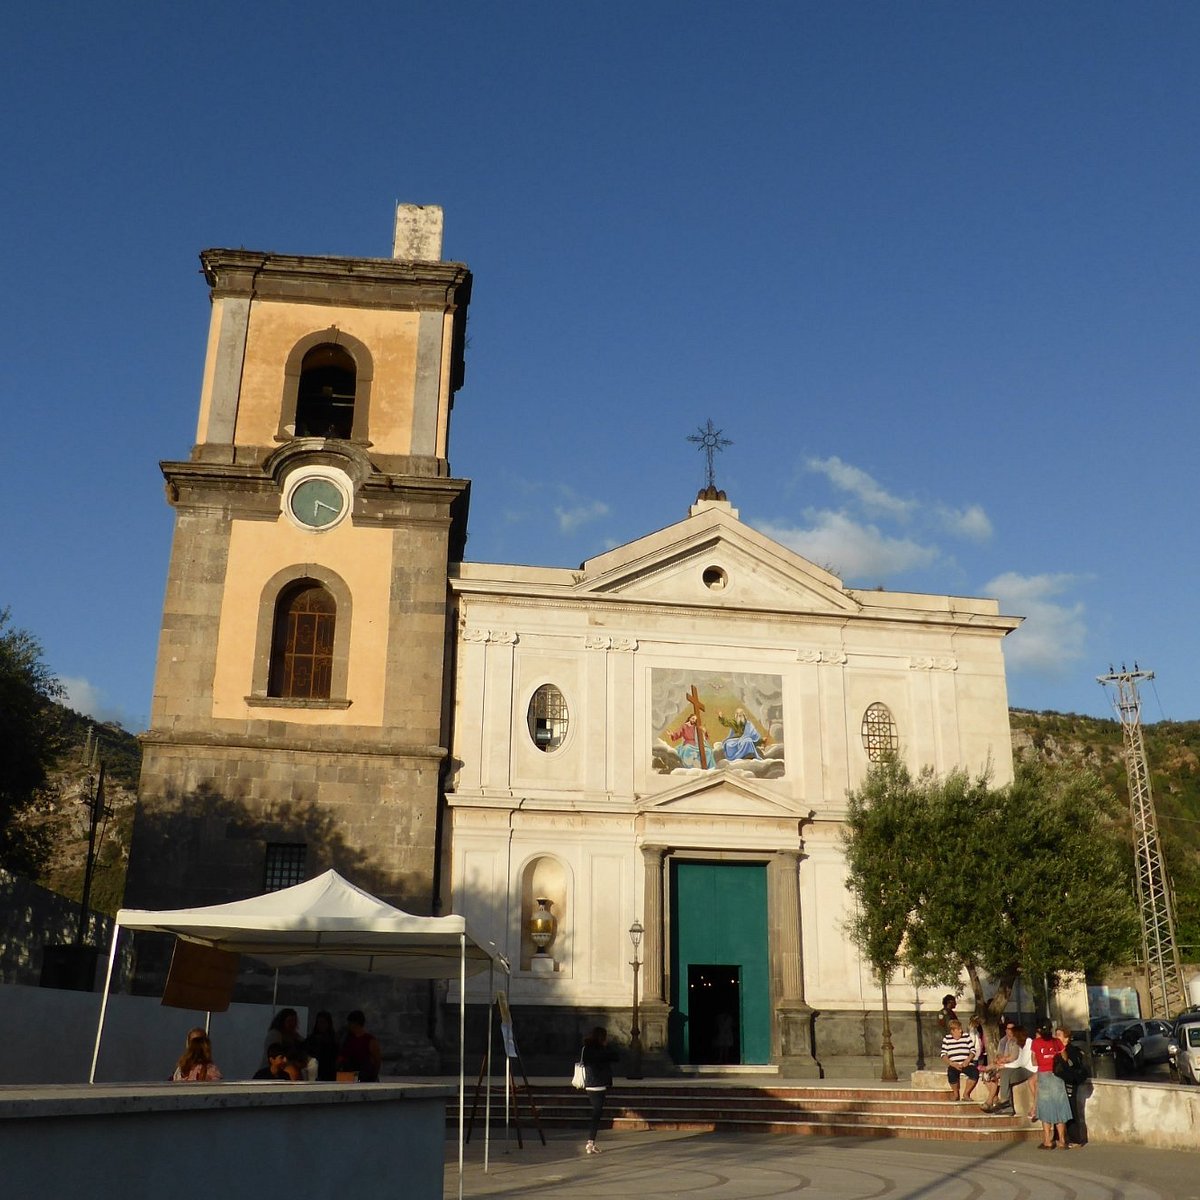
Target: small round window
x,y
548,717
715,579
879,736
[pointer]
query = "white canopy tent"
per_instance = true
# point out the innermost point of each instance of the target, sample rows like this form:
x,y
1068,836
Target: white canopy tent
x,y
325,920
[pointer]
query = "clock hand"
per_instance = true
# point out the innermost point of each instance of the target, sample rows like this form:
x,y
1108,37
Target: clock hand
x,y
321,504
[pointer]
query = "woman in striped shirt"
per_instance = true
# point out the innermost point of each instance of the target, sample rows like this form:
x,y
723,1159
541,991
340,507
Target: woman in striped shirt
x,y
958,1053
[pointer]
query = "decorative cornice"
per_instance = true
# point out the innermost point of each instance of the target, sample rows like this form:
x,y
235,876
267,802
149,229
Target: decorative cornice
x,y
360,282
944,662
504,637
837,658
335,702
595,641
253,490
294,742
628,610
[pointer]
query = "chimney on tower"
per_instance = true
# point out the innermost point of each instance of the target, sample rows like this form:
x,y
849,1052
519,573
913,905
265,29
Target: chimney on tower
x,y
418,235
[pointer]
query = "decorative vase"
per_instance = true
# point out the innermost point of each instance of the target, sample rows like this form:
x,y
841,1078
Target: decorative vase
x,y
542,925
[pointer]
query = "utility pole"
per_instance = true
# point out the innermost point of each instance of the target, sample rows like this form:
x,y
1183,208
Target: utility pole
x,y
1164,974
96,809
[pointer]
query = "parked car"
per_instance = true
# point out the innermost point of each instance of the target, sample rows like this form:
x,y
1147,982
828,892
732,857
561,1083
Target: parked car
x,y
1134,1045
1184,1049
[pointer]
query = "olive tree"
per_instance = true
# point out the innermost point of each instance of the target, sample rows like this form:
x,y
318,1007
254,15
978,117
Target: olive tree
x,y
1027,880
883,817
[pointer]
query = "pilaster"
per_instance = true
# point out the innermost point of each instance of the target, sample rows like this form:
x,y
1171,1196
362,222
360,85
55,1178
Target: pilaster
x,y
652,920
792,1035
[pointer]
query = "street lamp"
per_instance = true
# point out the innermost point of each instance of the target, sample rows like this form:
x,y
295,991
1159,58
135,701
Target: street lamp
x,y
635,1032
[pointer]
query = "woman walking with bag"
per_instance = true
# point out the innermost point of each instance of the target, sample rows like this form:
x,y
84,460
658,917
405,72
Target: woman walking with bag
x,y
1071,1067
597,1058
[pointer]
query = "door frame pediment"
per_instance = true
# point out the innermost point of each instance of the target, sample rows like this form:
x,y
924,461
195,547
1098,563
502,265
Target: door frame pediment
x,y
702,797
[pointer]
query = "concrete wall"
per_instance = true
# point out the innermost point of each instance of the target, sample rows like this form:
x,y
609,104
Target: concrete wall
x,y
32,917
1165,1115
51,1034
1120,1111
203,1140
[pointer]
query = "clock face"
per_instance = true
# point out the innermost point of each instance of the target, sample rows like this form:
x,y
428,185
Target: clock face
x,y
317,502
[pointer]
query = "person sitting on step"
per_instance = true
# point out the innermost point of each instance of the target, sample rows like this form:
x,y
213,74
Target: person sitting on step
x,y
958,1053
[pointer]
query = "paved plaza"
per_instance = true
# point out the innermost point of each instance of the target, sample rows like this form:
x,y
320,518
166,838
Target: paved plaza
x,y
715,1166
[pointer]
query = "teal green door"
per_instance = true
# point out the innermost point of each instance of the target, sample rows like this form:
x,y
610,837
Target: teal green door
x,y
719,963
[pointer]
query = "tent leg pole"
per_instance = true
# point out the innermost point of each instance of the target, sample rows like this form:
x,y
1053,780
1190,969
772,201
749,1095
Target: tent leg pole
x,y
275,993
487,1112
112,958
462,1055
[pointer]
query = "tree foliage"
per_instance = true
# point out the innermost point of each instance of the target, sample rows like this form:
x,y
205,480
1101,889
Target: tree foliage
x,y
33,738
882,820
962,877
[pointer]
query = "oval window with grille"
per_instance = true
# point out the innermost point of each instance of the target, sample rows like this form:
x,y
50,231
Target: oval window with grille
x,y
548,717
879,733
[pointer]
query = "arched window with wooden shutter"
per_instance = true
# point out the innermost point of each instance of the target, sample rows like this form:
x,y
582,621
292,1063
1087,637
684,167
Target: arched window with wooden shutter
x,y
302,644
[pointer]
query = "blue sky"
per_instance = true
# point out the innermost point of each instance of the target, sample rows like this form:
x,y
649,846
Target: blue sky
x,y
932,267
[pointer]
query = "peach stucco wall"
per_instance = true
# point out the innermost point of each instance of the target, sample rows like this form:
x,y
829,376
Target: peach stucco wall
x,y
257,551
275,328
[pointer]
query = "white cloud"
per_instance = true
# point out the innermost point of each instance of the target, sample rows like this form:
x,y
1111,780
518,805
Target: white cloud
x,y
569,519
872,495
86,698
851,549
970,522
82,696
1052,637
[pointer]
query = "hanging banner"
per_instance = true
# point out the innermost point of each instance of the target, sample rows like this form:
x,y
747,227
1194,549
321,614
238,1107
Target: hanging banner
x,y
201,978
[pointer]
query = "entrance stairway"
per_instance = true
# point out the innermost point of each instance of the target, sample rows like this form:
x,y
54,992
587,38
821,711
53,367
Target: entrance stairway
x,y
856,1110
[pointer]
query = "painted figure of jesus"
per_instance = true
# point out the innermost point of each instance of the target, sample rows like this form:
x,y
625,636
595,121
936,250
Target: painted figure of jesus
x,y
691,737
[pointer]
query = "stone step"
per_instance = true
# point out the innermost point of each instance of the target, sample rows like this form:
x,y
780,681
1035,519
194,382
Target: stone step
x,y
805,1110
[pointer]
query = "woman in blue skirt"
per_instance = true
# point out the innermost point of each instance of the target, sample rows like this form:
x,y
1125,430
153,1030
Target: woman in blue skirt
x,y
1053,1108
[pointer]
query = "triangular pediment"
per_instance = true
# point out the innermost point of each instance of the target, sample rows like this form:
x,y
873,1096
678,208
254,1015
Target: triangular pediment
x,y
722,794
712,559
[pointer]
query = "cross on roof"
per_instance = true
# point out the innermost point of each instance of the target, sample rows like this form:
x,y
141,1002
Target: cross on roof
x,y
711,442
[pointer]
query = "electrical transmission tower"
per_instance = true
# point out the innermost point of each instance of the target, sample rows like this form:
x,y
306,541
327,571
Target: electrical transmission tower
x,y
1163,970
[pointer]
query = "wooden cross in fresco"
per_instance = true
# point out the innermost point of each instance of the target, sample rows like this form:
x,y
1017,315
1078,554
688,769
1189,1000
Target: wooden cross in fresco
x,y
693,698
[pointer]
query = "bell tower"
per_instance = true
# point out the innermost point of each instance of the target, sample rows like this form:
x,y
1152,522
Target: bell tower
x,y
298,713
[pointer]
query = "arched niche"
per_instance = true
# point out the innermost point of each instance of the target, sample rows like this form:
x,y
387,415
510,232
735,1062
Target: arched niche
x,y
545,876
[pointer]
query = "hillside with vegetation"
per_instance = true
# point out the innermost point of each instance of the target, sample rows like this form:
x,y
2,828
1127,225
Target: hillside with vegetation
x,y
64,810
1173,756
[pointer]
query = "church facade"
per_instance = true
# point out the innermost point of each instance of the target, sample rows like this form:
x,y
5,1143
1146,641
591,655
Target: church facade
x,y
667,736
661,739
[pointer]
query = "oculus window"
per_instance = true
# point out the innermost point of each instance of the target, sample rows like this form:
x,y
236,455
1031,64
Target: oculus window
x,y
548,717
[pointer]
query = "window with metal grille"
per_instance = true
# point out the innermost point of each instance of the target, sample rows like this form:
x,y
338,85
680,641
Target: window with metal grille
x,y
879,733
285,865
548,717
302,646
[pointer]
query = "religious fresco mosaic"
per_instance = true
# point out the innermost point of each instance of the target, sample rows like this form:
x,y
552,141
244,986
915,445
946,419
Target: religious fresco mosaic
x,y
717,721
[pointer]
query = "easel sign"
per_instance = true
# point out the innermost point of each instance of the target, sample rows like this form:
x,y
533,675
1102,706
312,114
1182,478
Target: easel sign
x,y
515,1090
506,1027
